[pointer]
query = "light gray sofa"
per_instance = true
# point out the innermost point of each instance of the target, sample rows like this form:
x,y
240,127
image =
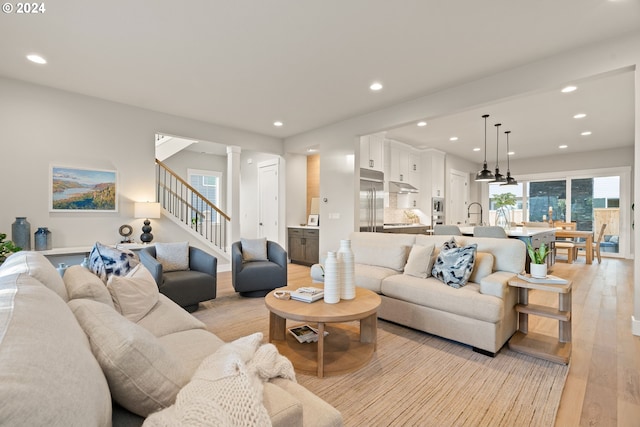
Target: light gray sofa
x,y
52,374
480,314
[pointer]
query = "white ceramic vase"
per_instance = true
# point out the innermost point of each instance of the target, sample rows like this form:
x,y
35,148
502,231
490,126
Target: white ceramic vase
x,y
347,271
538,271
331,279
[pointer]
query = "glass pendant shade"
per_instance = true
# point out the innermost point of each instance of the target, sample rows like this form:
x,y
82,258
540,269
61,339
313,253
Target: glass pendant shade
x,y
510,180
498,177
485,174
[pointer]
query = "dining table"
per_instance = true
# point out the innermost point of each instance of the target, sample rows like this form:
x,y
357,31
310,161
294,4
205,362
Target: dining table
x,y
579,234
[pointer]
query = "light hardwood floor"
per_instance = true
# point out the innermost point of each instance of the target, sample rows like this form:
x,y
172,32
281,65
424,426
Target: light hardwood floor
x,y
603,384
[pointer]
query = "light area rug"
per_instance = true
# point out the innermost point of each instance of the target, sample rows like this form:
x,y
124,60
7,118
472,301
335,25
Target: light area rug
x,y
417,379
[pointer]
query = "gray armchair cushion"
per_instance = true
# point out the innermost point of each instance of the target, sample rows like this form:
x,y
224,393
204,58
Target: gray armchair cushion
x,y
257,278
187,288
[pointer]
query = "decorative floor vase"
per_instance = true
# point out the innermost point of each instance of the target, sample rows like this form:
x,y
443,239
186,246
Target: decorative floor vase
x,y
21,233
347,270
331,279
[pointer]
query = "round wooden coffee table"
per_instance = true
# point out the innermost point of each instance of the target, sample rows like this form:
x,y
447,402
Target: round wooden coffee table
x,y
346,347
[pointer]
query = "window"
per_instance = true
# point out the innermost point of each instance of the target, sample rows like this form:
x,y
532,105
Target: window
x,y
207,183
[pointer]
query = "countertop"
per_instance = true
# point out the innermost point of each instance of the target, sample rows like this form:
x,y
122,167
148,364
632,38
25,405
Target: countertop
x,y
515,231
400,226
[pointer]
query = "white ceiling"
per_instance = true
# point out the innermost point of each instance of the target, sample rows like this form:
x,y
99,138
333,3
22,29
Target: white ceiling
x,y
247,63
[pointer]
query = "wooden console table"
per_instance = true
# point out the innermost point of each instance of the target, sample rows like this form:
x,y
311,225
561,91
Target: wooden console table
x,y
538,345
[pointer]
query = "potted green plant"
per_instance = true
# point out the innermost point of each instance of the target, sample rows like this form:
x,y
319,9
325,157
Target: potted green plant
x,y
538,266
6,248
503,202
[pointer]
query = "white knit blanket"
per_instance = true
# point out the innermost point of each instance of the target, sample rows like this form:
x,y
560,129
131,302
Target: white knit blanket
x,y
226,389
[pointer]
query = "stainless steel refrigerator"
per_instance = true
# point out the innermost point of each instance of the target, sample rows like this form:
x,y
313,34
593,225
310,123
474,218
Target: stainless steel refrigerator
x,y
371,200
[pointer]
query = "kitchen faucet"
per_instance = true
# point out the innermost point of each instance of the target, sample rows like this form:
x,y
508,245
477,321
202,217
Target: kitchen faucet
x,y
475,213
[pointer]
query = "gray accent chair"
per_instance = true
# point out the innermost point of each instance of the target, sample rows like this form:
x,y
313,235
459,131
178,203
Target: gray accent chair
x,y
489,231
189,287
446,230
258,278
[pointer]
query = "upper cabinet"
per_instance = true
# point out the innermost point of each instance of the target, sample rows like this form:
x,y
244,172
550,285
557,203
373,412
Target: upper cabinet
x,y
434,177
403,164
372,152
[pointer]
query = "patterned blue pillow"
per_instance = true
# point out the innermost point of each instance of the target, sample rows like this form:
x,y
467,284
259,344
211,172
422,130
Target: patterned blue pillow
x,y
455,265
105,261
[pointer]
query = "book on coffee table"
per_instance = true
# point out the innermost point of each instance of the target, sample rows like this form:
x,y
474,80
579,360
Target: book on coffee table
x,y
307,294
304,333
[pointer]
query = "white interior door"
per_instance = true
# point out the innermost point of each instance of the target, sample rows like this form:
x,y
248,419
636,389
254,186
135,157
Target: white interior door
x,y
268,200
459,197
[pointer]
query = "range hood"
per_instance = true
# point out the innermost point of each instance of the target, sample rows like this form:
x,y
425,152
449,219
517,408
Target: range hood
x,y
401,187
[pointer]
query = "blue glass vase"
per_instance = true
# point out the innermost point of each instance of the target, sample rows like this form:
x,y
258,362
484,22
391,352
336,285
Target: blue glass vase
x,y
21,233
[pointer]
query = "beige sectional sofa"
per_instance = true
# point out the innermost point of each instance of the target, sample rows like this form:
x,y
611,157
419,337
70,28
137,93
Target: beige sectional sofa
x,y
480,314
67,356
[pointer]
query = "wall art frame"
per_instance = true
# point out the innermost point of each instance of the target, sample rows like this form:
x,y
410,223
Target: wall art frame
x,y
75,189
313,220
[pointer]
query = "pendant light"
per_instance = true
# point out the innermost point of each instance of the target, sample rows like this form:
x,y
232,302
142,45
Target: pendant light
x,y
510,179
498,177
485,174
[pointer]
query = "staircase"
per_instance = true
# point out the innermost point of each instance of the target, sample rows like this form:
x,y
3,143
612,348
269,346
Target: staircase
x,y
186,206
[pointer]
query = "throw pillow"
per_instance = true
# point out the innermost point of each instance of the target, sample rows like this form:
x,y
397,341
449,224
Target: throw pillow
x,y
254,249
418,262
173,256
454,266
135,294
482,267
81,283
450,244
106,260
143,377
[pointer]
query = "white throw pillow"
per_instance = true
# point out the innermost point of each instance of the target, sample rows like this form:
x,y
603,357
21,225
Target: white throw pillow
x,y
143,377
419,260
135,294
173,256
254,249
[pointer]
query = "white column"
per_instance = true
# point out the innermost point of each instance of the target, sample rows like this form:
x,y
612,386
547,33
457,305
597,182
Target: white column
x,y
233,193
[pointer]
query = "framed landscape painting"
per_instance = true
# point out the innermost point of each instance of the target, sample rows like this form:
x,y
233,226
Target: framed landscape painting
x,y
77,190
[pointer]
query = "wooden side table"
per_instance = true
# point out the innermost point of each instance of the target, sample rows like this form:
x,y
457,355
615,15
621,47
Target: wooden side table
x,y
539,345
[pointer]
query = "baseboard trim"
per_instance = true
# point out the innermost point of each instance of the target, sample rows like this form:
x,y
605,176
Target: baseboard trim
x,y
635,326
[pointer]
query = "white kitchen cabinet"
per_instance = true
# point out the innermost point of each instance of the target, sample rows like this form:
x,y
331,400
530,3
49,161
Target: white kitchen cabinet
x,y
372,152
414,169
403,164
437,174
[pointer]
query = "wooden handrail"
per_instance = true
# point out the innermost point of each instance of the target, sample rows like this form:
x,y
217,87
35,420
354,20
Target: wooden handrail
x,y
196,192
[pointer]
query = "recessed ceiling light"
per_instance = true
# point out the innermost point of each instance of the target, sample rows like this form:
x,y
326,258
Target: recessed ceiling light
x,y
476,149
278,123
36,59
421,124
453,138
580,116
511,153
569,89
375,86
562,146
586,133
311,150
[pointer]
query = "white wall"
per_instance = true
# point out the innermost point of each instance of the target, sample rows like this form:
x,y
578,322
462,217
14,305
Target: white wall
x,y
40,126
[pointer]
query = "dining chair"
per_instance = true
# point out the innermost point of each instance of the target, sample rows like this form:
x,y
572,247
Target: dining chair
x,y
449,230
489,231
596,244
565,244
